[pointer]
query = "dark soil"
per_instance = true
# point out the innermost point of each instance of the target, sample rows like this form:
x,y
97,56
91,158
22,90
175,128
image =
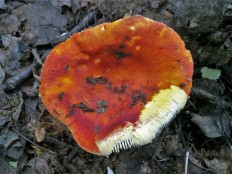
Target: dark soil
x,y
32,141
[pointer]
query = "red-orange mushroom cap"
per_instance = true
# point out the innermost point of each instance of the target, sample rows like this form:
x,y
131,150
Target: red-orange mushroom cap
x,y
118,84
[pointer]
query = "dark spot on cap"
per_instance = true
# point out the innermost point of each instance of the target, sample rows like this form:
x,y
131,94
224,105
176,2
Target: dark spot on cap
x,y
59,84
74,106
91,80
182,85
101,106
60,96
84,107
153,89
96,129
121,54
99,80
120,90
66,67
72,111
138,96
122,46
127,37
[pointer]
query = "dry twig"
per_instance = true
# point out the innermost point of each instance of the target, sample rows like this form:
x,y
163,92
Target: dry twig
x,y
17,80
89,19
24,137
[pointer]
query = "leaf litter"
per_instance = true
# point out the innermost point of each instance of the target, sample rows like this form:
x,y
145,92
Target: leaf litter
x,y
203,128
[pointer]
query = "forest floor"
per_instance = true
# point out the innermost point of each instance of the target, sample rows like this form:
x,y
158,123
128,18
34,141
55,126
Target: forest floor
x,y
200,133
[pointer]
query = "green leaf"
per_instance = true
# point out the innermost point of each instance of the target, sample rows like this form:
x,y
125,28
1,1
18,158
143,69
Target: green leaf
x,y
13,164
212,74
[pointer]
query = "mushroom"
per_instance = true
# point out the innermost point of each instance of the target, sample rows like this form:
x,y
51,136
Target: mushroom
x,y
116,85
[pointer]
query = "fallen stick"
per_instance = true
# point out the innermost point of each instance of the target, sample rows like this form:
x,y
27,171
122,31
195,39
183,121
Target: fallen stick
x,y
89,19
17,80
